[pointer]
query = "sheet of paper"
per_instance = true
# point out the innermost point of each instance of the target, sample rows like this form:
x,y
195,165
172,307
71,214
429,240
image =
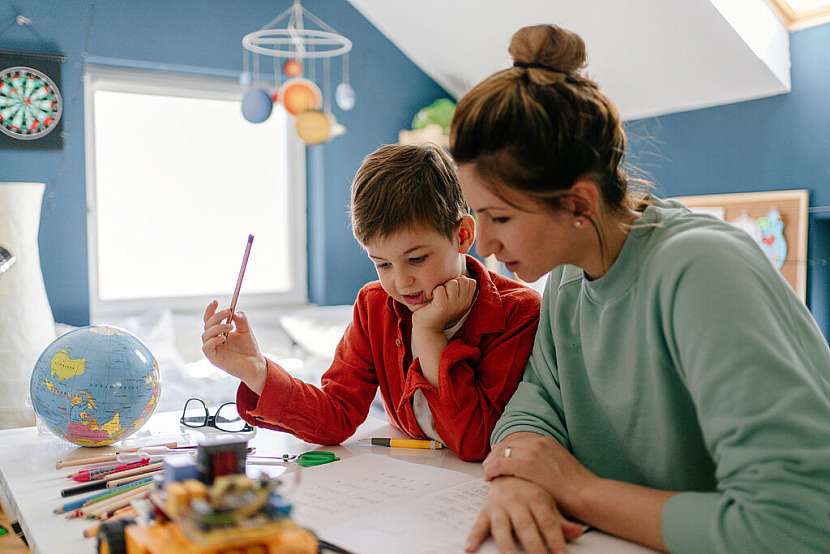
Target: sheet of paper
x,y
375,505
332,493
436,523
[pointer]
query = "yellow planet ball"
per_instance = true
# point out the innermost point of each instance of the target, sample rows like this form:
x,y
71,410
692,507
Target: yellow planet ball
x,y
299,95
313,126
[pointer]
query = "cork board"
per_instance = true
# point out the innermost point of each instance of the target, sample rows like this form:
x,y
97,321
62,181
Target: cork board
x,y
755,212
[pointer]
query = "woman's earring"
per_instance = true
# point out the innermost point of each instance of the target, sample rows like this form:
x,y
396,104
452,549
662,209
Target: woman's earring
x,y
577,223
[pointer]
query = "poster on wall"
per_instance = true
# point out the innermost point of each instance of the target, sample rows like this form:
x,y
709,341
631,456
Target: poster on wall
x,y
31,104
776,220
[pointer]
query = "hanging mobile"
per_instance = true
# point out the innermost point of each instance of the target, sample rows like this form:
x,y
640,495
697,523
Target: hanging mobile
x,y
298,43
344,93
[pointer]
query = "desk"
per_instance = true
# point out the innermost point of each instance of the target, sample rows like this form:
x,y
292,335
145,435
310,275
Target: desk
x,y
30,486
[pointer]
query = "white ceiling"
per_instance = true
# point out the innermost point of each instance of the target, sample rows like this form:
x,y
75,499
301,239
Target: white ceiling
x,y
651,57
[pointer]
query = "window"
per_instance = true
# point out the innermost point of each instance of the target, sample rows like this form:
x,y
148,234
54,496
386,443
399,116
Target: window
x,y
176,180
798,14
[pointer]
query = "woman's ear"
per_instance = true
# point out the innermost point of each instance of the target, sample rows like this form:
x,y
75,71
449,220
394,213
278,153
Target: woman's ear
x,y
583,202
466,234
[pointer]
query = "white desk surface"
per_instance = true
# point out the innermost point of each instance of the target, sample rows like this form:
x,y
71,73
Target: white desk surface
x,y
30,485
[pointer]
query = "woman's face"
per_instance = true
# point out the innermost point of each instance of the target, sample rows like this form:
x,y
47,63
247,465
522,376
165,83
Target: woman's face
x,y
530,241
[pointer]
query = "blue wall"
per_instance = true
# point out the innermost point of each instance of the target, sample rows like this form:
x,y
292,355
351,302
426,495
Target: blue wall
x,y
775,143
203,36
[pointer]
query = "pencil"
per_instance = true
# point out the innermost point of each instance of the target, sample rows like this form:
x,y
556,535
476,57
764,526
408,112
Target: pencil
x,y
407,443
77,504
84,461
111,457
236,290
105,503
109,482
134,471
92,530
116,482
113,492
113,504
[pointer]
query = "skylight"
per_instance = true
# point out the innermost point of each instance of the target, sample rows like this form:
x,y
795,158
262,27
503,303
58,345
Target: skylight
x,y
801,7
798,14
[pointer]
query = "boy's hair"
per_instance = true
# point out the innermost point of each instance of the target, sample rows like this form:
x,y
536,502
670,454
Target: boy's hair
x,y
404,186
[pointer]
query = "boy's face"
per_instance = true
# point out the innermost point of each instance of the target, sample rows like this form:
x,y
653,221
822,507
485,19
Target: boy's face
x,y
412,262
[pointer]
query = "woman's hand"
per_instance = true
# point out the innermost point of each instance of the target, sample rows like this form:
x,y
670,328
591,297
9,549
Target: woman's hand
x,y
526,509
233,348
542,460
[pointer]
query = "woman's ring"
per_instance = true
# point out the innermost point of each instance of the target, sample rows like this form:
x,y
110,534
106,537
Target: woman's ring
x,y
508,451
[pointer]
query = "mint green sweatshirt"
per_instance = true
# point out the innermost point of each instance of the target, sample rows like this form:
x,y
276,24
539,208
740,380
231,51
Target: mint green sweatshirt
x,y
689,366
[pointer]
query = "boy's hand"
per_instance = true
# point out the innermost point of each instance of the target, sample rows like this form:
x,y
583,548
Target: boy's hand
x,y
448,304
233,350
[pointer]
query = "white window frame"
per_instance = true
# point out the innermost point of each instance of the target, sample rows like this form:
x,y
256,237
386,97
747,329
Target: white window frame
x,y
209,87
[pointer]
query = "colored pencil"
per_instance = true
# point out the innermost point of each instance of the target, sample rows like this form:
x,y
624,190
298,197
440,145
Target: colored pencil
x,y
77,504
117,482
92,530
235,296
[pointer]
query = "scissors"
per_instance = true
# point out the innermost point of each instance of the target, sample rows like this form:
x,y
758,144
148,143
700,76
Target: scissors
x,y
311,459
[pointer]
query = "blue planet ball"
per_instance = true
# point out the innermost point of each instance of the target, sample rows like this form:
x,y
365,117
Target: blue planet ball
x,y
256,105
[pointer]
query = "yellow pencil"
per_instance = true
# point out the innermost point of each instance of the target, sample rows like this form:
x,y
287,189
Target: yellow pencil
x,y
407,443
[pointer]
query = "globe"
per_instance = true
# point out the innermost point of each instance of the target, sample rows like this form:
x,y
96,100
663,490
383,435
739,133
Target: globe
x,y
95,385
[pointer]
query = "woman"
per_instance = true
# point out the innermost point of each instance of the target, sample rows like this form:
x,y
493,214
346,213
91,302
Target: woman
x,y
678,391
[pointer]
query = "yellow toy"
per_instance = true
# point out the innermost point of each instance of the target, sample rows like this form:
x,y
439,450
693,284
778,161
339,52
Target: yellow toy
x,y
232,515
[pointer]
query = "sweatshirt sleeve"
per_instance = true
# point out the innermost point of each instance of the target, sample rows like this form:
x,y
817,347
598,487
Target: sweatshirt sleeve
x,y
536,406
757,369
475,381
322,415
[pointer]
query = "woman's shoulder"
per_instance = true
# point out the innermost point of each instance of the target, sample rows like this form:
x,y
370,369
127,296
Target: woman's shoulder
x,y
674,237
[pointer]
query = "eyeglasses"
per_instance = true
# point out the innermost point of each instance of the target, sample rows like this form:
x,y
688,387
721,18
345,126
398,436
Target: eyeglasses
x,y
195,414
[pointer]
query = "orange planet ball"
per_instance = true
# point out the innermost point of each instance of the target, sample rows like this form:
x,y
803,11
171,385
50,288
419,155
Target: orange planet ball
x,y
300,95
292,68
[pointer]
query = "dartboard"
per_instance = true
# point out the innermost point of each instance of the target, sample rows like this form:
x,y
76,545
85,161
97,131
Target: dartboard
x,y
30,103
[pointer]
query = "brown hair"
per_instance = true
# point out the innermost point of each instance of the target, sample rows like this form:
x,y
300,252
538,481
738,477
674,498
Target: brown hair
x,y
539,126
403,186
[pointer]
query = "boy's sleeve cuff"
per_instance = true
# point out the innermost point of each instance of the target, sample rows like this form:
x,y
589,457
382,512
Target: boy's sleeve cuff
x,y
455,352
276,394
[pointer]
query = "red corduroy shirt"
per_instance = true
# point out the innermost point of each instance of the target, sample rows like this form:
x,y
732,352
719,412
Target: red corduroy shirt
x,y
478,372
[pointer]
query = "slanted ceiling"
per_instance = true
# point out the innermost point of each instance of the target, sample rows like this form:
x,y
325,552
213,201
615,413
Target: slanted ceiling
x,y
651,56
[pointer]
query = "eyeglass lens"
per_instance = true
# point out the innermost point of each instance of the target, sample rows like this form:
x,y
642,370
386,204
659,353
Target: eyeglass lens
x,y
228,419
195,413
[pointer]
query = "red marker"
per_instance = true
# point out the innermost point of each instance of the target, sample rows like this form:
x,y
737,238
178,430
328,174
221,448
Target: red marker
x,y
90,474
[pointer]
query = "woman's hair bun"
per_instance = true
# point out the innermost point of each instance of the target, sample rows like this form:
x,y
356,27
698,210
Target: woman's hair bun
x,y
550,46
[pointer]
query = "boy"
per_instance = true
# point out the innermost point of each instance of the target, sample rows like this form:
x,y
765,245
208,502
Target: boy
x,y
445,340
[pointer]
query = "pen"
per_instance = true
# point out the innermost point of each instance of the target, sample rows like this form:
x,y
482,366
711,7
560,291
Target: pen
x,y
113,480
407,443
111,457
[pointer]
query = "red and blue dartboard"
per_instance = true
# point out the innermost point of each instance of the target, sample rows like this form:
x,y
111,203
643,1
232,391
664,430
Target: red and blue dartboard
x,y
30,103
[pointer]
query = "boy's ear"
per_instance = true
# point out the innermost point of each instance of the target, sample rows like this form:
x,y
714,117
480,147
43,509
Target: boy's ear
x,y
466,234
